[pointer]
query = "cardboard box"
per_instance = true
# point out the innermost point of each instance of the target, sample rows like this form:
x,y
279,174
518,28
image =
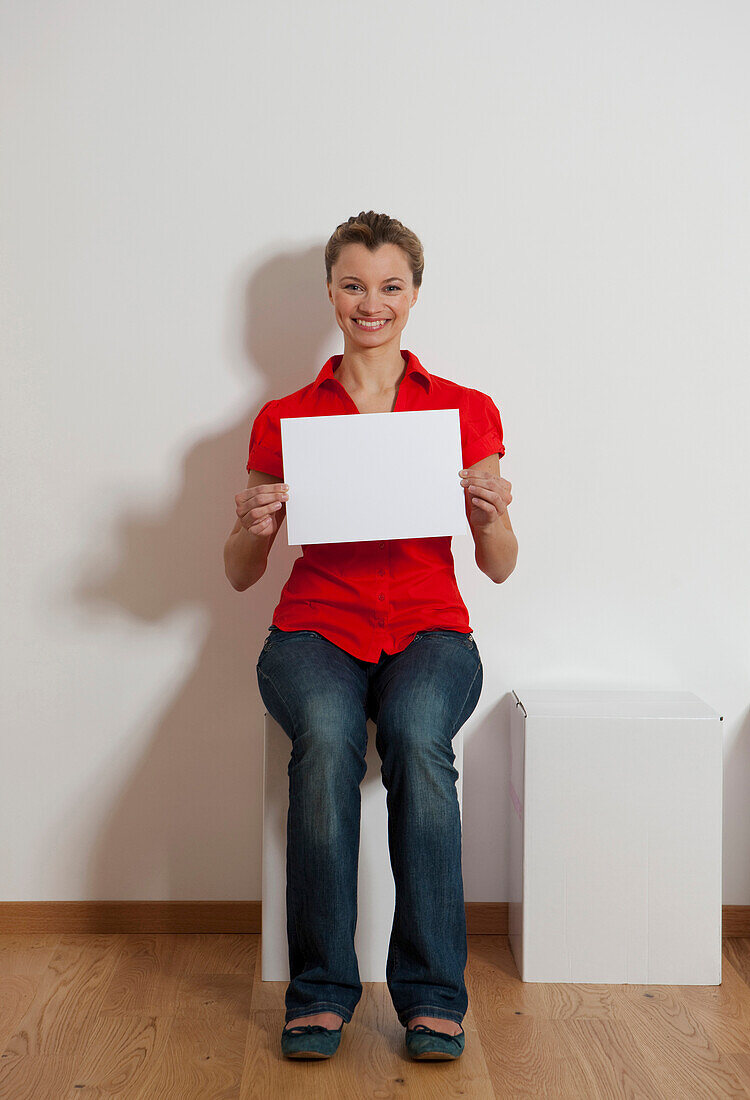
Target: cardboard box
x,y
615,838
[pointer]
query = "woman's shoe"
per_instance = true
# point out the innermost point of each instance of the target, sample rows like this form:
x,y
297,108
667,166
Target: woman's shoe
x,y
310,1041
423,1042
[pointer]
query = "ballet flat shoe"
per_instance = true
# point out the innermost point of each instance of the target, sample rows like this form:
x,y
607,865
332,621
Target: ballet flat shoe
x,y
310,1041
424,1043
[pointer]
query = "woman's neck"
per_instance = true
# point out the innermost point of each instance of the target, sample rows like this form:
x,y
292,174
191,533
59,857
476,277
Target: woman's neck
x,y
372,374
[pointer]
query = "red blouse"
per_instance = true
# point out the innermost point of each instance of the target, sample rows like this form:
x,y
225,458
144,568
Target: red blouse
x,y
370,597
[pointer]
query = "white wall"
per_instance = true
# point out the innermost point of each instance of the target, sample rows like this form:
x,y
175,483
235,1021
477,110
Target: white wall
x,y
578,174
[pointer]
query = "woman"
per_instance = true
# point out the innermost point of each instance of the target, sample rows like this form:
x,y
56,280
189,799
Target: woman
x,y
373,630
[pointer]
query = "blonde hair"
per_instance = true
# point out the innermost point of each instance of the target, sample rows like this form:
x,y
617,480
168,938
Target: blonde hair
x,y
372,230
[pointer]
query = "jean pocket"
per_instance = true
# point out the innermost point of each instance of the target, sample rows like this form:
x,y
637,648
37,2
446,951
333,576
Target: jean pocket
x,y
276,632
273,631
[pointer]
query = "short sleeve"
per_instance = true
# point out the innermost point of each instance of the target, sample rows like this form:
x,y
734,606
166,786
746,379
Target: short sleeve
x,y
481,428
265,442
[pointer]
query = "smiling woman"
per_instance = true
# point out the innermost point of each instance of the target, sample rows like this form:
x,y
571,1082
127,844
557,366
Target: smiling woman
x,y
373,629
372,290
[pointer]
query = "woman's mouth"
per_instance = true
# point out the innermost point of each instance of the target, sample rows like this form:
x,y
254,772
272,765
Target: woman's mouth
x,y
371,325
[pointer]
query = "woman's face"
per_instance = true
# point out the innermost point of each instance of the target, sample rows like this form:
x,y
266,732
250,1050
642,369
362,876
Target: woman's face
x,y
371,286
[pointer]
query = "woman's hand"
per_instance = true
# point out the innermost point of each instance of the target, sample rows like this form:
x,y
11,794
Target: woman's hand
x,y
259,508
490,496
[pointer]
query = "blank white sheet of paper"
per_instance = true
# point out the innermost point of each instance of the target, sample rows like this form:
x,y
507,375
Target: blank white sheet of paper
x,y
366,476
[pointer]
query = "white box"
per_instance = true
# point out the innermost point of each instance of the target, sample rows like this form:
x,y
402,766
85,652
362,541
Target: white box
x,y
376,892
615,837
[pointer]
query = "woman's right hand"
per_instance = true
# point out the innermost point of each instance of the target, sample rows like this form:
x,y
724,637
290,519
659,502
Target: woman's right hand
x,y
259,508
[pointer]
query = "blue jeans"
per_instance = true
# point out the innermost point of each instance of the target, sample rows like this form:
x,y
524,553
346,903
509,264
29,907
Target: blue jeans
x,y
322,696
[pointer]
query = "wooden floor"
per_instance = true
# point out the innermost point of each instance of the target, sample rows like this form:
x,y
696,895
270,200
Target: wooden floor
x,y
177,1017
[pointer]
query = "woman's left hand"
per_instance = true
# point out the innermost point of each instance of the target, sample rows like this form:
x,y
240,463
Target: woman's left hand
x,y
490,496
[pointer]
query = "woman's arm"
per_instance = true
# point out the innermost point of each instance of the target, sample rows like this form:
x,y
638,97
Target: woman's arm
x,y
246,554
496,545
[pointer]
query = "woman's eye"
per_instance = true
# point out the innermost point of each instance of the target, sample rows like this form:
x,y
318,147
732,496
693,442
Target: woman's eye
x,y
355,285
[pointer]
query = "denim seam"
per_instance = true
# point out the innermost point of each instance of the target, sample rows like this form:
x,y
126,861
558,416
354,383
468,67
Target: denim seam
x,y
466,638
271,681
461,708
435,1010
321,1006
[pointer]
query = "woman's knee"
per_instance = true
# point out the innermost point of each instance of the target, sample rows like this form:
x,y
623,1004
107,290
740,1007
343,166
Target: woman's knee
x,y
329,720
426,715
423,720
329,746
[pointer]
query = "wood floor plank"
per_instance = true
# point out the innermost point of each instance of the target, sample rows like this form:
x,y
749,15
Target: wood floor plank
x,y
151,1016
214,996
148,973
679,1050
228,953
23,961
125,1057
69,994
722,1011
202,1058
26,955
37,1077
267,996
740,1064
609,1052
493,975
738,952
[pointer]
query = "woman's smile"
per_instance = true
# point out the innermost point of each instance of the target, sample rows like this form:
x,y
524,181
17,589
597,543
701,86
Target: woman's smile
x,y
370,324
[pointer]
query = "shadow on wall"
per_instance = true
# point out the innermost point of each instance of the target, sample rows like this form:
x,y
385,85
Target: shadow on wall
x,y
187,823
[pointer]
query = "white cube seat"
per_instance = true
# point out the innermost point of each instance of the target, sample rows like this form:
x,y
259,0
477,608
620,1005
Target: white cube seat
x,y
615,837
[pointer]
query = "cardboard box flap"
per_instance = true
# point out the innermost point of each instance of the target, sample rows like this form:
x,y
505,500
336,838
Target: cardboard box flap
x,y
538,703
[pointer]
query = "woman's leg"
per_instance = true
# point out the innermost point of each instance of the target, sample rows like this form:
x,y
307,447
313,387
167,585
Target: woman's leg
x,y
316,692
422,697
